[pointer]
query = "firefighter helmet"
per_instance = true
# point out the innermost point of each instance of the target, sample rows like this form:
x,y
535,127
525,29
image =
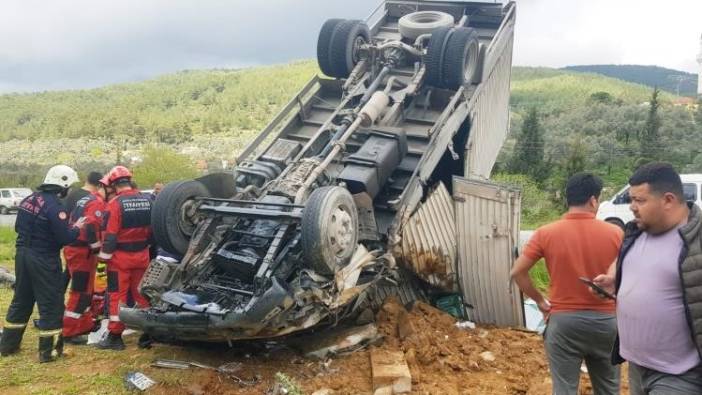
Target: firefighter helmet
x,y
61,175
118,173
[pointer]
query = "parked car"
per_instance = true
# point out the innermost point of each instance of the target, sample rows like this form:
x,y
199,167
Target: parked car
x,y
10,198
616,210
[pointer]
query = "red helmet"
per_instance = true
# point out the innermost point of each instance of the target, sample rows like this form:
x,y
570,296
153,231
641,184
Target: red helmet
x,y
105,180
118,172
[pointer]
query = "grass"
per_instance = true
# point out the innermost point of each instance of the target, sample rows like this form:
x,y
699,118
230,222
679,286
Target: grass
x,y
539,276
83,370
7,246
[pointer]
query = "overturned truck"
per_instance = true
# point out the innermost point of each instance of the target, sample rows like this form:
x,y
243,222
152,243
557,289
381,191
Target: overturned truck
x,y
349,194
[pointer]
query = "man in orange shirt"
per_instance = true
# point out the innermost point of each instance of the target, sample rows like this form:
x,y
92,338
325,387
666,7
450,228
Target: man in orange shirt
x,y
581,326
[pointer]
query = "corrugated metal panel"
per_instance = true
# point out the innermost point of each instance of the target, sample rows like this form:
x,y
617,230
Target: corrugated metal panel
x,y
490,117
429,240
487,222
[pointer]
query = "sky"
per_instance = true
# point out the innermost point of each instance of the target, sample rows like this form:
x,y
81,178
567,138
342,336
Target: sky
x,y
72,44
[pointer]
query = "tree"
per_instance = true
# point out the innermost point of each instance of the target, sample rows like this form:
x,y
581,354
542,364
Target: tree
x,y
650,139
601,97
576,161
162,164
528,156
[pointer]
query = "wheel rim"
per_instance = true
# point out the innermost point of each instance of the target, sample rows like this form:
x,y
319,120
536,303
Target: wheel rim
x,y
341,231
188,218
470,61
356,51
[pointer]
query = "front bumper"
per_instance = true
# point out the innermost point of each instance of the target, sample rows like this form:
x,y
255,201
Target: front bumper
x,y
263,316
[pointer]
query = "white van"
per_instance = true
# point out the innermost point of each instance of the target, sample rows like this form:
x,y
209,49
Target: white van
x,y
10,198
616,210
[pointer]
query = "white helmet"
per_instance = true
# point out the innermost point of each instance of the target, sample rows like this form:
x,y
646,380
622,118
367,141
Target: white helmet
x,y
60,175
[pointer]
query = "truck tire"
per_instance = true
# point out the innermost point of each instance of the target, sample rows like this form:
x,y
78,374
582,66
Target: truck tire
x,y
172,231
4,210
435,56
329,229
324,45
460,62
346,40
417,23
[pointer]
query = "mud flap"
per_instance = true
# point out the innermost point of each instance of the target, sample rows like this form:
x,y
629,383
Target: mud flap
x,y
220,185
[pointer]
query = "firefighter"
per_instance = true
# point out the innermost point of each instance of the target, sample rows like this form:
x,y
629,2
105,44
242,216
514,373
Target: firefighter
x,y
125,248
42,229
81,262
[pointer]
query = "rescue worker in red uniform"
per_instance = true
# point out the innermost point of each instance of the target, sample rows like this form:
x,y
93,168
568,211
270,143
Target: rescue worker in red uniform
x,y
125,248
81,262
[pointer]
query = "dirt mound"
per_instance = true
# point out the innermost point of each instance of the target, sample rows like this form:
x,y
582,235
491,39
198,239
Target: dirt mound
x,y
443,359
446,359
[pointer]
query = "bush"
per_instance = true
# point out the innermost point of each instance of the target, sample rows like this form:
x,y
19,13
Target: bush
x,y
537,207
162,164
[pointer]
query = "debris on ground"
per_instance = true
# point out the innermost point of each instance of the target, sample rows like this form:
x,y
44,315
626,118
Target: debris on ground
x,y
339,341
465,325
442,359
138,381
95,337
391,375
487,356
228,369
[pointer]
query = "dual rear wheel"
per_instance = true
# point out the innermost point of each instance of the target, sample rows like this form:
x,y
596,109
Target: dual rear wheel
x,y
339,46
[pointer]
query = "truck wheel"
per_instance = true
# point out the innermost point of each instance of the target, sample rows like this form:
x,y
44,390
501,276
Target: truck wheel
x,y
171,220
4,210
422,22
435,56
324,45
329,229
344,49
460,62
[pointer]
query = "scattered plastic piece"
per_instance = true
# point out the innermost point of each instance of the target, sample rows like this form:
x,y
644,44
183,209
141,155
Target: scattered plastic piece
x,y
465,325
138,381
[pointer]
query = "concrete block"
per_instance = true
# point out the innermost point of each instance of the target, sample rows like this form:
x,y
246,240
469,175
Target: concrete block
x,y
390,369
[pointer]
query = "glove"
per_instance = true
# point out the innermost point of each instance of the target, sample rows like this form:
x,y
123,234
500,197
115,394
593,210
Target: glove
x,y
80,223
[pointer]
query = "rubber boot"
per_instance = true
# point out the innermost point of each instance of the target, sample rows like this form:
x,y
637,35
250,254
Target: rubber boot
x,y
10,341
78,340
145,341
112,342
47,351
59,346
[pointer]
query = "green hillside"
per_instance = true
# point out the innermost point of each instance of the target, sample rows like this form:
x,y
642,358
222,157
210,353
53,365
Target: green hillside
x,y
554,90
169,109
673,81
209,115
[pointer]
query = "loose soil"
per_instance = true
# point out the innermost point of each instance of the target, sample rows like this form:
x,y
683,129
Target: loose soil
x,y
443,359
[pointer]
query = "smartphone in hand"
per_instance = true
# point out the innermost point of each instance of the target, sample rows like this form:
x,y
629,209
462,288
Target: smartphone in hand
x,y
597,288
